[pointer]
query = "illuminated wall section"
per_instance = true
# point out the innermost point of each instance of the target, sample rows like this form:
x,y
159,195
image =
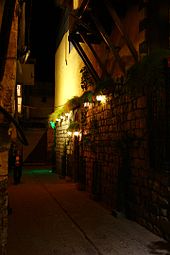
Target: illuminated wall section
x,y
67,73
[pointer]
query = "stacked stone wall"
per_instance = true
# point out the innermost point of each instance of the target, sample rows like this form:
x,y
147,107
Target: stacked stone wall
x,y
114,146
61,142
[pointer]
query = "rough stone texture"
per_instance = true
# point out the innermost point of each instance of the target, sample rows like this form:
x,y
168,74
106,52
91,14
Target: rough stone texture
x,y
7,101
9,79
113,162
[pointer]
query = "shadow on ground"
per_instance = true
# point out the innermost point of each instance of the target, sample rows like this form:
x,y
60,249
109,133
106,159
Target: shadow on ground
x,y
160,248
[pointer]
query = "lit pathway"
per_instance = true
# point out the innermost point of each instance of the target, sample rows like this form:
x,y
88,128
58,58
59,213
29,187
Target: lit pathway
x,y
52,217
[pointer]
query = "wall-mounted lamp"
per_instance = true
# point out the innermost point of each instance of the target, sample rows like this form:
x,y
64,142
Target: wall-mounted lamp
x,y
101,98
86,104
69,133
76,133
62,117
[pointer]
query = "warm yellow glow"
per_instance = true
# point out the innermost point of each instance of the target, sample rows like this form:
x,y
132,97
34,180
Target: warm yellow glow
x,y
76,133
19,98
67,75
62,117
69,133
18,90
101,98
75,4
86,104
19,104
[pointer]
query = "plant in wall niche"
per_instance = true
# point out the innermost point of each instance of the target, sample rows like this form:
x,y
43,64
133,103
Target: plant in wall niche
x,y
86,79
149,74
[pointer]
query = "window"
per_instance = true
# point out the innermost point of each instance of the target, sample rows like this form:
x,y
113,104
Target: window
x,y
19,98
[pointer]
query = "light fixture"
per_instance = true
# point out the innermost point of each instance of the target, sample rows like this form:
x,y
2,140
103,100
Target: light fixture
x,y
62,117
76,133
101,98
52,124
69,133
86,104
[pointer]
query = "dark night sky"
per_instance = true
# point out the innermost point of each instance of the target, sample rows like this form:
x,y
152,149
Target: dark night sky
x,y
44,24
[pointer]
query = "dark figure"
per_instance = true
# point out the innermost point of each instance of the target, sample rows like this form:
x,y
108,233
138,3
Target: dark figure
x,y
18,167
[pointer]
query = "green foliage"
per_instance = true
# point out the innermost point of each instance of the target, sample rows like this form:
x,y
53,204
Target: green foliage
x,y
106,85
86,78
74,126
147,74
73,103
87,97
57,113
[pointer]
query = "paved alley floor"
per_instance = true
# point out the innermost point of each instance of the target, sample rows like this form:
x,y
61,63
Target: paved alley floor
x,y
50,216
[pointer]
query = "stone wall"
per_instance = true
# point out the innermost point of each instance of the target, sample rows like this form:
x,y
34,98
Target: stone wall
x,y
7,101
112,162
9,78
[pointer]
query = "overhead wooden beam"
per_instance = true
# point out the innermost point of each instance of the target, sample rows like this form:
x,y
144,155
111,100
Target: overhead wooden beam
x,y
84,57
86,41
83,7
119,25
107,40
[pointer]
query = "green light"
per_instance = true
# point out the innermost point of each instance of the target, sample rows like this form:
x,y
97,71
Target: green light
x,y
38,171
52,124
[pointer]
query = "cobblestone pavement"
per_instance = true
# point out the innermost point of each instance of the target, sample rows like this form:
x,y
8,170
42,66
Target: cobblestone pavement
x,y
50,216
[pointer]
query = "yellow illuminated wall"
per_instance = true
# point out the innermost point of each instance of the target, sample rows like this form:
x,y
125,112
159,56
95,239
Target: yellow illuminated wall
x,y
67,73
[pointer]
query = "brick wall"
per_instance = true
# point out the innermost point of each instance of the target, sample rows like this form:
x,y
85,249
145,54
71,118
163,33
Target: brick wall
x,y
113,164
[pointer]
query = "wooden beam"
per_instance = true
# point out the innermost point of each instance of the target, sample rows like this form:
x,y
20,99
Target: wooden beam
x,y
84,58
86,41
108,41
83,7
122,30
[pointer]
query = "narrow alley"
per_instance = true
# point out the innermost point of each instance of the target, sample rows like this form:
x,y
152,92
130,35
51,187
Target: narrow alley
x,y
51,216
